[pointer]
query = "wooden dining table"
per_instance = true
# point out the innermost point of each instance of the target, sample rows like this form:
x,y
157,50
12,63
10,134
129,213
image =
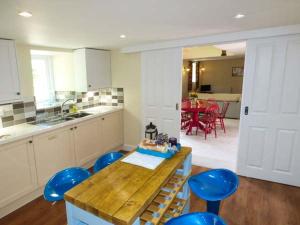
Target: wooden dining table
x,y
194,110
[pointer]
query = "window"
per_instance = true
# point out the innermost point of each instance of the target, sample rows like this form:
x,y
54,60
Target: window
x,y
43,82
194,67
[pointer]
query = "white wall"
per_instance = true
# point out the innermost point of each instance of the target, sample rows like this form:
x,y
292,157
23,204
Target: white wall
x,y
218,73
126,73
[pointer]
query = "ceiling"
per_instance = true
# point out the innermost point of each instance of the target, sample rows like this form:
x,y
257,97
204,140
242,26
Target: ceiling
x,y
99,23
214,51
233,49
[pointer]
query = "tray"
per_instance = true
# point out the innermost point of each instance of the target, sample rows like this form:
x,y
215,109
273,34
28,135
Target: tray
x,y
166,155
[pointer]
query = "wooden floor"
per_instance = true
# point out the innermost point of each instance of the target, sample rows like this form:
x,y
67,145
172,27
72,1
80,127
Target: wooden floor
x,y
255,203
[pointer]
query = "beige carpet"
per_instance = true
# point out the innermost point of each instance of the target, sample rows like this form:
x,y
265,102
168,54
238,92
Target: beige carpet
x,y
220,152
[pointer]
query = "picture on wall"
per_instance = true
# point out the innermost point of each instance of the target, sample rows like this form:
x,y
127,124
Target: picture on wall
x,y
238,71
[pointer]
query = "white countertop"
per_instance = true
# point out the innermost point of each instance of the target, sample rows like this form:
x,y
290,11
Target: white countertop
x,y
26,130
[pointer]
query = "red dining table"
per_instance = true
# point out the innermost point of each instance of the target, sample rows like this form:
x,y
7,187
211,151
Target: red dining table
x,y
194,109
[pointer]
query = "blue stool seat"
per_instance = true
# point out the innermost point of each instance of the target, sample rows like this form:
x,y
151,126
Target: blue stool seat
x,y
106,160
214,186
197,218
63,181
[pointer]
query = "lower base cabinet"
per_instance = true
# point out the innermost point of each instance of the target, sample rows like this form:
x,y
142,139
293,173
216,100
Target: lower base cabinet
x,y
53,152
87,141
111,130
28,164
17,171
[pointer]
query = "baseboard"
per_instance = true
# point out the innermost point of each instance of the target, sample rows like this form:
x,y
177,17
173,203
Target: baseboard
x,y
213,163
20,202
126,147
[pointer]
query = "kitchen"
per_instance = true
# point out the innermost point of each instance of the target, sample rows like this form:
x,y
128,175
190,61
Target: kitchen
x,y
43,136
90,99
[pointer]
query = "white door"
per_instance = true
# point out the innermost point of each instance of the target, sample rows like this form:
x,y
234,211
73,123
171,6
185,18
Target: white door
x,y
161,89
9,85
270,133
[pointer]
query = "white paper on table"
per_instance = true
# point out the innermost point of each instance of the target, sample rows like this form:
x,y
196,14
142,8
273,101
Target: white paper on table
x,y
143,160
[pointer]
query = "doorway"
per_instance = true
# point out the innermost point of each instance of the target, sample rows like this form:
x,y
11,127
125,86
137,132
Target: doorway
x,y
212,74
268,140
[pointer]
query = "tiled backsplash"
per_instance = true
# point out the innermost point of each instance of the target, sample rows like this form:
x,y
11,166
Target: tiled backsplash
x,y
19,112
25,111
105,96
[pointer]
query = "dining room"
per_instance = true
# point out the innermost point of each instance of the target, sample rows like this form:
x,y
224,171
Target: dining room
x,y
212,80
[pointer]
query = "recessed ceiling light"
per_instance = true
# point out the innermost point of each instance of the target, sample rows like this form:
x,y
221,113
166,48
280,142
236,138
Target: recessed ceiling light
x,y
25,14
239,16
122,36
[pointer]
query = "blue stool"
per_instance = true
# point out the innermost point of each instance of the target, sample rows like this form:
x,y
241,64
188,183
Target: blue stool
x,y
197,218
63,181
214,186
106,160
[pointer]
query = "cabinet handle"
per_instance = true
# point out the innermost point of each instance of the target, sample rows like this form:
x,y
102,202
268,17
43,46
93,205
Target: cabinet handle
x,y
102,118
75,128
71,128
90,85
52,137
30,142
18,93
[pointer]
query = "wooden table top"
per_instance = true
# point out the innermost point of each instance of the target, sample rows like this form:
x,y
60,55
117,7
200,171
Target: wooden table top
x,y
120,192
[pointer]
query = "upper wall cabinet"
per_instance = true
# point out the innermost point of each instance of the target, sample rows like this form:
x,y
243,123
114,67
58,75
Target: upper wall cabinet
x,y
92,69
10,84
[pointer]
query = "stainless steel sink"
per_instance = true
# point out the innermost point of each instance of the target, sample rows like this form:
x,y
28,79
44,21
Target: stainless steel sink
x,y
78,115
58,120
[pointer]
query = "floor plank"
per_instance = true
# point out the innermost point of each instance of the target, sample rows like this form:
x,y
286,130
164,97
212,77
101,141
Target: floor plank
x,y
256,202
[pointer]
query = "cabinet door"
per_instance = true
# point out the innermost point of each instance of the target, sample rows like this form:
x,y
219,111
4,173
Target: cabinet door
x,y
17,171
98,69
9,85
87,141
54,151
112,130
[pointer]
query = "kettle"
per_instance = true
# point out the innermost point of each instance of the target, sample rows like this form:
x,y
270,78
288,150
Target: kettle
x,y
151,131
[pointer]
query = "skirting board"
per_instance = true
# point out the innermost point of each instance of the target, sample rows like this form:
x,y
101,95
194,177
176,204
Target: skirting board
x,y
126,147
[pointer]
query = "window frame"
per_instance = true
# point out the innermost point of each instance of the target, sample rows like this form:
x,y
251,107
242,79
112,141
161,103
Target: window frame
x,y
50,78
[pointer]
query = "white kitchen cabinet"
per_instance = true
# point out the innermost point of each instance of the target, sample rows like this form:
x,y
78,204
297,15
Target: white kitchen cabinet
x,y
87,141
27,165
54,151
92,69
17,171
112,130
9,77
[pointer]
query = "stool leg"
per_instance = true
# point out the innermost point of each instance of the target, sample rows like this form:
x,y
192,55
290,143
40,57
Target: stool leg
x,y
213,207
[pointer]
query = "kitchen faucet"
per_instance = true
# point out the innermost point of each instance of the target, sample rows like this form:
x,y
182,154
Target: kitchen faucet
x,y
62,105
